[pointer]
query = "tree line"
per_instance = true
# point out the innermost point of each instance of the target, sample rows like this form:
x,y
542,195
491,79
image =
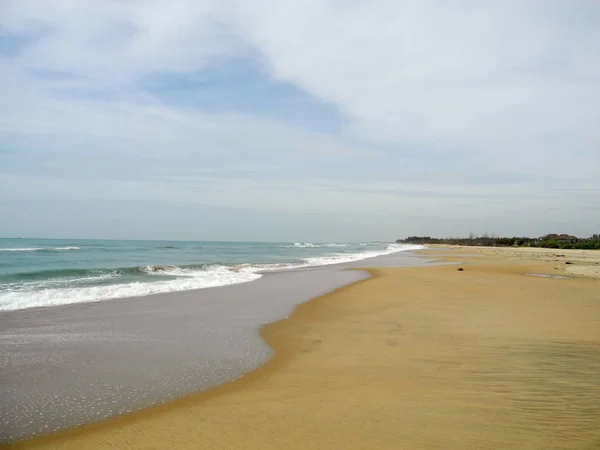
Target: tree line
x,y
563,241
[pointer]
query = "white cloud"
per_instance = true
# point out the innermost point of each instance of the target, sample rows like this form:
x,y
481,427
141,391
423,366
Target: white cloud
x,y
462,73
113,41
501,78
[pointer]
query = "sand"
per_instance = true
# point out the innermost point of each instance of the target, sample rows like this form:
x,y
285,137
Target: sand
x,y
415,358
70,365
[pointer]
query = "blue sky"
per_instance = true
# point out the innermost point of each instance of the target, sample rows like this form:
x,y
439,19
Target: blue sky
x,y
300,120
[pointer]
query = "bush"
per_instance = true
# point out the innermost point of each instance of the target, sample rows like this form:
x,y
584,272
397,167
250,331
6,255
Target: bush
x,y
549,244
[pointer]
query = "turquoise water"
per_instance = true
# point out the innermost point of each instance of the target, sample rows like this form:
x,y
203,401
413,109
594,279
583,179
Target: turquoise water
x,y
49,272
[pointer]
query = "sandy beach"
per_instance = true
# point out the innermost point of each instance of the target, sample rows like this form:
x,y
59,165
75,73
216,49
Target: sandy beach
x,y
488,357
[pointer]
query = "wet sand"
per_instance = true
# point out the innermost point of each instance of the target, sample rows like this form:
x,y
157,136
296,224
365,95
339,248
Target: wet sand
x,y
416,358
66,366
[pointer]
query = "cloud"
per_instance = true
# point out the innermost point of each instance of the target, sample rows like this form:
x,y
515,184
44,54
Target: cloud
x,y
405,111
494,77
115,42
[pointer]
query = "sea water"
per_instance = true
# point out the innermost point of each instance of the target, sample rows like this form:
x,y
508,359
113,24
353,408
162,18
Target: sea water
x,y
50,272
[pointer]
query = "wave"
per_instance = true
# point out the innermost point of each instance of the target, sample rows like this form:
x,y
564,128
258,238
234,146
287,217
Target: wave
x,y
38,249
34,285
61,287
186,279
43,275
341,258
311,245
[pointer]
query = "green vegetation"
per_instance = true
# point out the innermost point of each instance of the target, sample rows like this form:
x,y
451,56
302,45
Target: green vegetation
x,y
560,241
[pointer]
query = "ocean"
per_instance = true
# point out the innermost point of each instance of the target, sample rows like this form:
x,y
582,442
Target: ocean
x,y
51,272
67,366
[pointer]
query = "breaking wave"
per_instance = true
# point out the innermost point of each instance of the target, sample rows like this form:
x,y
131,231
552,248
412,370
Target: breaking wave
x,y
65,286
311,245
38,249
174,279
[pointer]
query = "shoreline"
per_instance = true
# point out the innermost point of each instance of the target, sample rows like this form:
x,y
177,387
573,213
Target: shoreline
x,y
68,365
280,357
175,273
313,319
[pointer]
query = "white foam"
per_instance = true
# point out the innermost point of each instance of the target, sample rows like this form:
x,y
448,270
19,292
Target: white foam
x,y
340,258
158,269
302,245
37,249
311,245
33,286
188,279
351,257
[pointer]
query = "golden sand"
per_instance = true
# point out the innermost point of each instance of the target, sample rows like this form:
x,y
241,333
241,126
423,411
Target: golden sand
x,y
413,358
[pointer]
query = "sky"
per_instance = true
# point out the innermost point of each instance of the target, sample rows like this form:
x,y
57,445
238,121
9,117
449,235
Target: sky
x,y
299,120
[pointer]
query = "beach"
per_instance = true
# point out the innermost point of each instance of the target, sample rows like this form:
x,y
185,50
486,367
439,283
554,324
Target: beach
x,y
502,354
68,365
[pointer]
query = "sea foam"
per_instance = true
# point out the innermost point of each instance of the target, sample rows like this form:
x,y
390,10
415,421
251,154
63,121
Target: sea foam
x,y
311,245
46,293
186,280
38,249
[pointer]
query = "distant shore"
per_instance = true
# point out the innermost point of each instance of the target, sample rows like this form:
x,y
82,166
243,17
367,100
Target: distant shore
x,y
557,241
487,357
